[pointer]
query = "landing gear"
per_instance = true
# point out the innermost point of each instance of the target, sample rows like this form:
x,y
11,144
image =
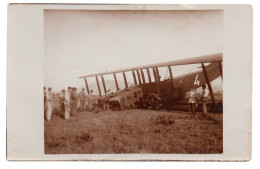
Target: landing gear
x,y
150,102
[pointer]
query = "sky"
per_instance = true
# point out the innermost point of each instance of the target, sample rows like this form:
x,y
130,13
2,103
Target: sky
x,y
81,42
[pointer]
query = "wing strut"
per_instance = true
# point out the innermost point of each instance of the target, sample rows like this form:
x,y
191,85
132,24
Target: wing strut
x,y
139,78
208,82
98,86
126,85
117,88
134,77
155,73
104,84
86,84
220,68
149,76
158,74
170,70
142,73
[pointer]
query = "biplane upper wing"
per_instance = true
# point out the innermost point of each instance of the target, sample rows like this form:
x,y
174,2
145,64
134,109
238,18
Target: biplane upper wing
x,y
218,57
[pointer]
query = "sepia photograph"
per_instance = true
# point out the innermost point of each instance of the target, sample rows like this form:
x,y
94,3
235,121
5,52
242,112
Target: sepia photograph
x,y
133,81
129,82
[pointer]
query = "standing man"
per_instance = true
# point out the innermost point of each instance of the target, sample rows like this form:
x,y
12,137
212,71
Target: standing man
x,y
90,100
45,106
192,100
74,101
49,104
67,104
70,94
62,97
82,97
205,93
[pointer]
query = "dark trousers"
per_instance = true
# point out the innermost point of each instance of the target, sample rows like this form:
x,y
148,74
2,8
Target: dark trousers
x,y
192,108
62,107
204,105
82,105
73,108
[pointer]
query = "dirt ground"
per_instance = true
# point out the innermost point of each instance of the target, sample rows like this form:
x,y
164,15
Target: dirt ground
x,y
134,131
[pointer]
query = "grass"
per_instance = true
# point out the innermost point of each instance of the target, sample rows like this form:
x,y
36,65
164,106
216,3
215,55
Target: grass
x,y
134,131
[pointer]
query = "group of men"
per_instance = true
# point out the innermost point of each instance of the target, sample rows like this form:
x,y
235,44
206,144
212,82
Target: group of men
x,y
71,102
193,96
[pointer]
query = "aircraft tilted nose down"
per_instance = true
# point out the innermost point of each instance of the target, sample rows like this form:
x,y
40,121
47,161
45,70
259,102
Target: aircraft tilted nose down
x,y
169,93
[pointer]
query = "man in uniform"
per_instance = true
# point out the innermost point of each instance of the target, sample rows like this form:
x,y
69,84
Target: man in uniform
x,y
205,93
82,97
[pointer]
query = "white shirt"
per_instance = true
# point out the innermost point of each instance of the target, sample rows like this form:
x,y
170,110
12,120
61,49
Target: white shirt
x,y
90,95
205,93
192,96
62,95
67,96
49,96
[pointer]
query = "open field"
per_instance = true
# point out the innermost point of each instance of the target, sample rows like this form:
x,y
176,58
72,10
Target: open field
x,y
134,131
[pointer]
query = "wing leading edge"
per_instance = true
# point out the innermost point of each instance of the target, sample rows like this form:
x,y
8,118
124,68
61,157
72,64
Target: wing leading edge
x,y
218,57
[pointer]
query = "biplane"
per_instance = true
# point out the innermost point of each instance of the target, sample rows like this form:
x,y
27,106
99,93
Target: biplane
x,y
171,90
